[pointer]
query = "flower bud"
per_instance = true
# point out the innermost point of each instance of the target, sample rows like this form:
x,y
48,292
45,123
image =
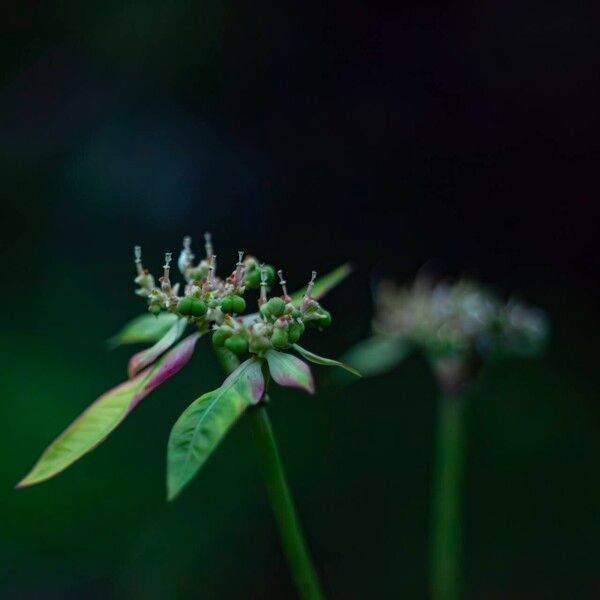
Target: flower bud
x,y
238,344
198,307
279,339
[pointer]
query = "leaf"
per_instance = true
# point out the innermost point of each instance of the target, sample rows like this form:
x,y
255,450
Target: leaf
x,y
146,357
324,284
106,413
205,421
143,329
289,371
377,354
320,360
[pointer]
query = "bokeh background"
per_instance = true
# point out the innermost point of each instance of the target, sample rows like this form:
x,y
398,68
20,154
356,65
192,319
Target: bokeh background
x,y
309,134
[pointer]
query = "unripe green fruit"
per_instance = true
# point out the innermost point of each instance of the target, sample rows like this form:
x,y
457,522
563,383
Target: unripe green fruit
x,y
184,306
276,306
238,344
220,335
279,339
270,273
155,309
295,331
264,310
238,304
252,279
198,307
227,305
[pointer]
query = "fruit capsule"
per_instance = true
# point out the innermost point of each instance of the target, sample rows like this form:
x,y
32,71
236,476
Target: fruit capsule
x,y
238,344
276,306
220,335
184,306
198,307
279,339
238,304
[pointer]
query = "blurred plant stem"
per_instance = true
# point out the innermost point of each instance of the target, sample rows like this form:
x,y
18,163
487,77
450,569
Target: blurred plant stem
x,y
290,532
446,514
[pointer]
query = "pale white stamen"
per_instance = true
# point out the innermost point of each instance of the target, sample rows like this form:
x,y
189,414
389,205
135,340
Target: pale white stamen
x,y
282,283
208,244
186,257
239,267
211,270
137,252
311,284
263,284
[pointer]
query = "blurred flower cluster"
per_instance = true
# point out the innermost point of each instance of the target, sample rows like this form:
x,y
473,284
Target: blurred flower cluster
x,y
456,326
462,318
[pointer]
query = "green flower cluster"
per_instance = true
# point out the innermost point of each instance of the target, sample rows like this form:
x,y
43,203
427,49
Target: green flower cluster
x,y
216,305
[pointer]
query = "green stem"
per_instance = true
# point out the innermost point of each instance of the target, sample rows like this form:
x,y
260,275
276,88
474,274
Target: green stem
x,y
446,521
294,545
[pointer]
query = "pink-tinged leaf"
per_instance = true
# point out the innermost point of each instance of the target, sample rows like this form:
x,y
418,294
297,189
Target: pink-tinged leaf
x,y
289,371
172,362
146,357
249,374
101,418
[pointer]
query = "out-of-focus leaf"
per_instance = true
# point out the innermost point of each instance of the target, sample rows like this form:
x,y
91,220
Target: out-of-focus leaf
x,y
320,360
146,357
289,371
106,413
377,355
205,421
324,284
143,329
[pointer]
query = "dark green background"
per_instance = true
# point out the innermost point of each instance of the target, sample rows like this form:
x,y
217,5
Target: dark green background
x,y
307,135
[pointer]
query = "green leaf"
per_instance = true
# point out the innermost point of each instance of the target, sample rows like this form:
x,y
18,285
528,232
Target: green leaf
x,y
377,355
143,329
289,371
106,413
146,357
205,421
320,360
324,284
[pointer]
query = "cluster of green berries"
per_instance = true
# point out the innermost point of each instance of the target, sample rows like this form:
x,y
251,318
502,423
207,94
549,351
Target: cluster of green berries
x,y
213,304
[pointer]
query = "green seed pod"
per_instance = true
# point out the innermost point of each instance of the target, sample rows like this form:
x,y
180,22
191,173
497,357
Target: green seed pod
x,y
252,279
184,306
198,307
238,304
276,306
270,269
220,335
295,331
264,310
155,309
238,344
227,304
279,339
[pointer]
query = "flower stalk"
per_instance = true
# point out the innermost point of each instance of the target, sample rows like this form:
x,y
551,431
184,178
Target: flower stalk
x,y
290,532
446,521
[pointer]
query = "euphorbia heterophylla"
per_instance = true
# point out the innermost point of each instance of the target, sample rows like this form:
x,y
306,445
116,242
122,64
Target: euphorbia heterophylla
x,y
253,350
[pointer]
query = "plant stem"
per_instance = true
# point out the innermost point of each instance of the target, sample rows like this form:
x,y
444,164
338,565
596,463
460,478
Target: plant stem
x,y
446,517
292,540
